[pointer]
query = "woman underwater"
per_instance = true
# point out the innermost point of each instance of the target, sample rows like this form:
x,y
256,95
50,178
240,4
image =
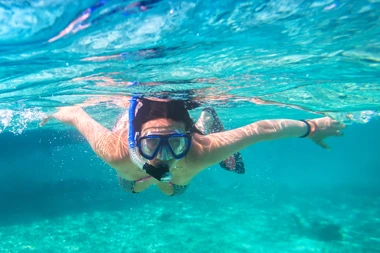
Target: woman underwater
x,y
157,143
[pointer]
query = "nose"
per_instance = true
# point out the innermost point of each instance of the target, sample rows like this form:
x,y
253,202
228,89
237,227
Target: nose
x,y
163,154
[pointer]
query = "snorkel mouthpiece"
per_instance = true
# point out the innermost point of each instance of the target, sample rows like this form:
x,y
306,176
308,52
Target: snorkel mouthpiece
x,y
161,172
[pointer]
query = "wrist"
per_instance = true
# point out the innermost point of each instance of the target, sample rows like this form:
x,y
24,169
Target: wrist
x,y
311,128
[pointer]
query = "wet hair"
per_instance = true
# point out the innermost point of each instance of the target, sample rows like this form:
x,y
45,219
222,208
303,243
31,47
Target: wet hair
x,y
175,110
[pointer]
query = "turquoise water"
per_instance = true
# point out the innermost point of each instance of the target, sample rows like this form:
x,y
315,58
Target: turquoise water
x,y
250,60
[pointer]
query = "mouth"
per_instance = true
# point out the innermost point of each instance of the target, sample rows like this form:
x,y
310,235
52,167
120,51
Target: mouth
x,y
162,164
159,171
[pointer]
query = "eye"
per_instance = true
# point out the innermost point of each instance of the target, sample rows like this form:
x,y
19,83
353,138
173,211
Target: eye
x,y
149,145
177,143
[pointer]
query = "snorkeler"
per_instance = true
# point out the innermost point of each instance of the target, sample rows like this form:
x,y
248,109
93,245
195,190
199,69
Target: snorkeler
x,y
208,122
160,144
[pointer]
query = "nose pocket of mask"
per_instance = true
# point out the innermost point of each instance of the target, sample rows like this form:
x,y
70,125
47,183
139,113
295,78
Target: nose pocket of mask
x,y
164,153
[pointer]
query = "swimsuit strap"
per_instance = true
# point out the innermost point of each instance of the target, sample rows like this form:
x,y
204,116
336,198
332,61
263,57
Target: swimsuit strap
x,y
143,179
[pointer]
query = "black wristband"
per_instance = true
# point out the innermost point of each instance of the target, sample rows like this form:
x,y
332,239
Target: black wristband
x,y
308,129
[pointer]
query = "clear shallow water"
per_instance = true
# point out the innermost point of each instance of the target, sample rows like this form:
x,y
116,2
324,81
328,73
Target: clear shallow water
x,y
320,55
251,60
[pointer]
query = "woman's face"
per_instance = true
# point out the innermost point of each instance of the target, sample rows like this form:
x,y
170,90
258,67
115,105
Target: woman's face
x,y
162,127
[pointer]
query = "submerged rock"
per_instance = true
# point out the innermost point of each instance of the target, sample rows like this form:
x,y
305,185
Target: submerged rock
x,y
326,231
321,230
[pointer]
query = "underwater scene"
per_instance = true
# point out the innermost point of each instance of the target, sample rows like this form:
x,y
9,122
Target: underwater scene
x,y
249,61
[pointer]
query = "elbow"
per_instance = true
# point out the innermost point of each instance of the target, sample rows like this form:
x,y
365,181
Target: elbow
x,y
113,156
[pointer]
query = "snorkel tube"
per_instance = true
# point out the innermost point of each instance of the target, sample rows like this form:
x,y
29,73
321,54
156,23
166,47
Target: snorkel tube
x,y
161,172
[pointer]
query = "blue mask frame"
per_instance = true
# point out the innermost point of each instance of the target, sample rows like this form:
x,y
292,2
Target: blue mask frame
x,y
164,141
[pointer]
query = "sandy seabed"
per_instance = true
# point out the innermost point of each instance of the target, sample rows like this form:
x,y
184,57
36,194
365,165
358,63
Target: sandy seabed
x,y
236,220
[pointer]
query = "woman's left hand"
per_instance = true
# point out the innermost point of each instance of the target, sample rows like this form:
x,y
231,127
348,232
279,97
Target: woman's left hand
x,y
323,128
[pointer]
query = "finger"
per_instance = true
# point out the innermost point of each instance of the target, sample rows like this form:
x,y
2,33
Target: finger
x,y
337,133
323,145
339,125
44,121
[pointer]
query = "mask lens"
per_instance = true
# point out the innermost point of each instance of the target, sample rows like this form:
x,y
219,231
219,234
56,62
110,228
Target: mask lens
x,y
178,144
149,145
168,146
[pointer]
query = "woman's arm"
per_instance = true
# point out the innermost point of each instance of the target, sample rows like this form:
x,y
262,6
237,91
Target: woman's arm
x,y
109,146
211,149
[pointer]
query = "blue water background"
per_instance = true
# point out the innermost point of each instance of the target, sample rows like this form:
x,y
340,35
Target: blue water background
x,y
66,187
319,56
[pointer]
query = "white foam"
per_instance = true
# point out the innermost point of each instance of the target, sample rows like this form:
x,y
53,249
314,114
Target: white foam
x,y
5,118
361,117
17,121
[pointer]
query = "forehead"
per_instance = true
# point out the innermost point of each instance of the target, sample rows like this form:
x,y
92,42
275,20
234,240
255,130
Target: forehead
x,y
162,126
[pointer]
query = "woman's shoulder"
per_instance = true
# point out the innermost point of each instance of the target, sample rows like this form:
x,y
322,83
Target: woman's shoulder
x,y
122,121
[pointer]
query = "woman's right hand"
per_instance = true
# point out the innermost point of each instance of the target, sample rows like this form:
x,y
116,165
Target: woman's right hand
x,y
323,128
65,114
